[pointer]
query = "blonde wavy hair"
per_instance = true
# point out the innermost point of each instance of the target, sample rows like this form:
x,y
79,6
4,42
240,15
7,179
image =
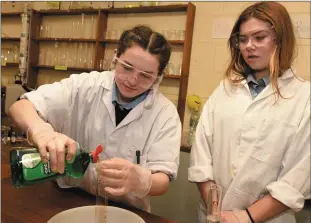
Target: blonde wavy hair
x,y
284,52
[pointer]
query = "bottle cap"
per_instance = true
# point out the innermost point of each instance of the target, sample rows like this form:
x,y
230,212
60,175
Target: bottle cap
x,y
96,152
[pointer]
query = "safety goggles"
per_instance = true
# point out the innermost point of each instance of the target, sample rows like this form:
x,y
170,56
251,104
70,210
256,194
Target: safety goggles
x,y
129,73
257,38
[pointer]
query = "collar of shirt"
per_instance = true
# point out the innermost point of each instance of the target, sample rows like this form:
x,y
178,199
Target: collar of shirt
x,y
129,105
250,78
255,87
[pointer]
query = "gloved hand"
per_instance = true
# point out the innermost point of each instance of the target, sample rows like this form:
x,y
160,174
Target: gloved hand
x,y
236,216
120,176
47,140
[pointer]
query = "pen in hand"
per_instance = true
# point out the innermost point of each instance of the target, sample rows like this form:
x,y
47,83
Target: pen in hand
x,y
138,156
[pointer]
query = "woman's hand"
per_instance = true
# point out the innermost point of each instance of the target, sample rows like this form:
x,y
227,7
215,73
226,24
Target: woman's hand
x,y
51,145
121,176
236,216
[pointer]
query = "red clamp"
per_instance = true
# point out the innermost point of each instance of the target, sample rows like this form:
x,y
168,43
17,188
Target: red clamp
x,y
96,152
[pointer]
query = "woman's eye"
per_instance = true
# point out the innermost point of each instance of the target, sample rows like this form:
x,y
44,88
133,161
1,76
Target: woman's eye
x,y
259,38
127,68
243,40
147,76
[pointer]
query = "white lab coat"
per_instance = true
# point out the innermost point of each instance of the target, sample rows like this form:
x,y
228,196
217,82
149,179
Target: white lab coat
x,y
251,147
81,107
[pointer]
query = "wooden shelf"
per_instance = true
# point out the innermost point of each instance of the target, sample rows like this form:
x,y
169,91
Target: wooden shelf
x,y
176,42
10,39
148,9
10,64
67,12
144,9
172,42
68,68
109,41
172,76
45,39
9,14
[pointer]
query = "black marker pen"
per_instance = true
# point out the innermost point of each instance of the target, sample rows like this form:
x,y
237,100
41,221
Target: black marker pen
x,y
138,156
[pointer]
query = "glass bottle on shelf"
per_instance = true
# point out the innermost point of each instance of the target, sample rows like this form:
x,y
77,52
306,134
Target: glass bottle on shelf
x,y
74,55
194,119
2,57
56,54
16,54
90,57
80,55
13,138
41,31
41,55
93,25
85,55
69,62
27,167
83,25
63,58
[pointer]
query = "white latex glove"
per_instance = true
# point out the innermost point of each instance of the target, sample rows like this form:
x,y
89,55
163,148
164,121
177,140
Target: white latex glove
x,y
47,140
120,176
236,216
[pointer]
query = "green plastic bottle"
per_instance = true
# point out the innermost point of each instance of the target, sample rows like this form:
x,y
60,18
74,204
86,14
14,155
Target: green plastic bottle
x,y
28,169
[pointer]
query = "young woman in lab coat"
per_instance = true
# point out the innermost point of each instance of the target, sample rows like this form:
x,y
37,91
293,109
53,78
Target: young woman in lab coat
x,y
122,110
253,137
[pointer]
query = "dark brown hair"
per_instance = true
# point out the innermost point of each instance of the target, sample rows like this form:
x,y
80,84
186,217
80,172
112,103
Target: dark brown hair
x,y
284,52
149,40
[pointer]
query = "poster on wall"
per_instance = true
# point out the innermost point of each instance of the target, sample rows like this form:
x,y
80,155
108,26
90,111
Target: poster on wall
x,y
302,25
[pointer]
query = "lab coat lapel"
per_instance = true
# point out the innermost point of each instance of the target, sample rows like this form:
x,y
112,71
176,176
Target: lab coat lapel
x,y
282,81
134,114
107,98
137,112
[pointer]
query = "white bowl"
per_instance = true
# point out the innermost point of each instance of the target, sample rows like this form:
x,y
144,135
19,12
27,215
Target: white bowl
x,y
106,214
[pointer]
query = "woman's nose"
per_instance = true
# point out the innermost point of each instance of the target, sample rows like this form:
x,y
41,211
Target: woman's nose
x,y
250,44
133,79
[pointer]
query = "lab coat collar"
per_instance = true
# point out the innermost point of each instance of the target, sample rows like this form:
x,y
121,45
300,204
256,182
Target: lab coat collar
x,y
153,92
146,104
268,90
289,73
108,83
107,93
138,110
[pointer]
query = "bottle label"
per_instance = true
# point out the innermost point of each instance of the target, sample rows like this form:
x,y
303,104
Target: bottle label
x,y
33,168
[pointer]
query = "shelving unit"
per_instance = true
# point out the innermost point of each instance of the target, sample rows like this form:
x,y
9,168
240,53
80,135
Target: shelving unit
x,y
10,38
11,67
100,43
10,64
41,39
10,14
172,42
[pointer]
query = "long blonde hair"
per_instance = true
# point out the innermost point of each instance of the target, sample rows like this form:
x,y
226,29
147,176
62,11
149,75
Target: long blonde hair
x,y
284,52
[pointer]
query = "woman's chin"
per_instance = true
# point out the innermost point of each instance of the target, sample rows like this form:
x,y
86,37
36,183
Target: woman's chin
x,y
128,92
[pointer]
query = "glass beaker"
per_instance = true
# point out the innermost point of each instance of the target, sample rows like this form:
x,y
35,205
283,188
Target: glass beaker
x,y
214,202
